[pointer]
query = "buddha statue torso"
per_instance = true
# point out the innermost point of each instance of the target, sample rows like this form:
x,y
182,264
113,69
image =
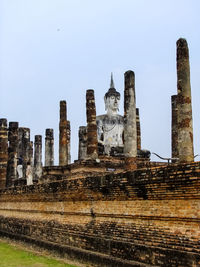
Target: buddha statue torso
x,y
110,126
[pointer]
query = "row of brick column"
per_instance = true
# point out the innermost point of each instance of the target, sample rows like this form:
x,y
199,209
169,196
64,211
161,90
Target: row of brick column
x,y
15,145
182,129
88,143
15,141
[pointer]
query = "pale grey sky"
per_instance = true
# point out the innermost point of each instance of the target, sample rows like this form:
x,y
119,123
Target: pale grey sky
x,y
52,50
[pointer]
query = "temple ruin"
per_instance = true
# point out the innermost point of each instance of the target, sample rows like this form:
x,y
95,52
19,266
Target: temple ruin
x,y
112,206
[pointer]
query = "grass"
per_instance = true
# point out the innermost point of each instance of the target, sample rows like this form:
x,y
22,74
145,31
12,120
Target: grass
x,y
11,256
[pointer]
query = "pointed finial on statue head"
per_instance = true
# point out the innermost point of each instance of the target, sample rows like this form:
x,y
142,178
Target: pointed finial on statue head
x,y
112,90
111,81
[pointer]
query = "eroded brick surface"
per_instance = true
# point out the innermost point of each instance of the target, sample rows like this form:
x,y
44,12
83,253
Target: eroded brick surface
x,y
149,216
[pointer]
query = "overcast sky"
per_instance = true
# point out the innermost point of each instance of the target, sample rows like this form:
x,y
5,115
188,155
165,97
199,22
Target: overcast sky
x,y
52,50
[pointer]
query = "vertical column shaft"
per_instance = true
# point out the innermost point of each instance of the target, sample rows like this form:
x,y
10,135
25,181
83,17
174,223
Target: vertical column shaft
x,y
82,152
31,153
20,142
12,153
92,143
63,145
37,157
68,141
174,127
130,127
26,145
138,129
185,128
3,152
49,148
23,146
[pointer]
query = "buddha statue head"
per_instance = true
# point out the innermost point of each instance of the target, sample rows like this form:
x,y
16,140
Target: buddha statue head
x,y
112,99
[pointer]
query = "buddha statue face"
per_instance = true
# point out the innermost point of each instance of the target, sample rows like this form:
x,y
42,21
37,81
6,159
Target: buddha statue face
x,y
112,99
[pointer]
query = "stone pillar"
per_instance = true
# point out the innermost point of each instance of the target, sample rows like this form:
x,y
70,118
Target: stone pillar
x,y
12,154
138,129
20,142
37,158
3,152
26,146
82,151
31,153
174,128
63,145
130,128
68,141
185,128
49,148
92,143
23,146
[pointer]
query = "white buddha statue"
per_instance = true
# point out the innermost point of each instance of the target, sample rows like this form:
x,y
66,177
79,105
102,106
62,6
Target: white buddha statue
x,y
110,126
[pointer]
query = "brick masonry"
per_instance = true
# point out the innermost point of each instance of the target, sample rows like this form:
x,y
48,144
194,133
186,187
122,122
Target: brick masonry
x,y
147,217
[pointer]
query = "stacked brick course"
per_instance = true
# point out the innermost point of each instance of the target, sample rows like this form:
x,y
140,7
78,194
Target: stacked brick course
x,y
148,216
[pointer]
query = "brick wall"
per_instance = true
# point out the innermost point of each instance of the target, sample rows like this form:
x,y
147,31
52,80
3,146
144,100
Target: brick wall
x,y
147,217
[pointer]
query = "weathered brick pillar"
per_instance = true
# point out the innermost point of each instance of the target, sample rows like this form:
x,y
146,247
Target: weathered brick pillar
x,y
31,153
174,127
49,148
12,153
92,143
37,158
82,151
138,129
20,142
63,144
68,141
3,152
130,127
26,146
185,128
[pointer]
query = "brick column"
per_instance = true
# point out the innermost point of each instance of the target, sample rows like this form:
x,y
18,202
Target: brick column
x,y
82,151
92,143
130,128
12,153
138,129
3,152
24,146
68,141
37,158
174,127
185,128
49,148
20,142
31,153
63,145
